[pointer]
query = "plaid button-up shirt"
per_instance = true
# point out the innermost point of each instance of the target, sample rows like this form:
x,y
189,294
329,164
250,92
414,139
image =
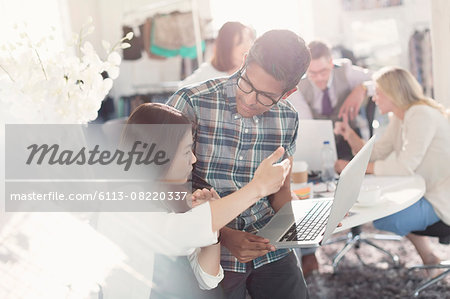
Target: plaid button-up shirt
x,y
229,149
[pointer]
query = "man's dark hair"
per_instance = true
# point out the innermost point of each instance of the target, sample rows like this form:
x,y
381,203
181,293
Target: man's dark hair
x,y
283,54
319,49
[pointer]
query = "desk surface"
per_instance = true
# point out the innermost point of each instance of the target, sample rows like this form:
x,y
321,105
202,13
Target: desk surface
x,y
397,193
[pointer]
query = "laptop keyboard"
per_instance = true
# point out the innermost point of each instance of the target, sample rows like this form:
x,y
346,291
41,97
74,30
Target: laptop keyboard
x,y
311,225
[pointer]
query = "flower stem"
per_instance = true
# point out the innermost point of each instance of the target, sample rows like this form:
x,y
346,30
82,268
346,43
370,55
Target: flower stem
x,y
42,65
9,75
79,42
113,48
37,54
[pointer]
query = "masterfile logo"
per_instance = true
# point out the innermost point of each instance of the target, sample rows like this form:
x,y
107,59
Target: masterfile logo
x,y
90,168
53,155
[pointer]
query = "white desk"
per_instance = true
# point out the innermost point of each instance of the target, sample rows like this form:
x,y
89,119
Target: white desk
x,y
397,193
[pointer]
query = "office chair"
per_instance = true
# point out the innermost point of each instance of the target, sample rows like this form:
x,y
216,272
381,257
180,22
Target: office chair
x,y
354,239
442,231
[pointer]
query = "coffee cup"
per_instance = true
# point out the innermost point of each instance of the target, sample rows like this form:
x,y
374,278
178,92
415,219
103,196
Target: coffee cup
x,y
299,173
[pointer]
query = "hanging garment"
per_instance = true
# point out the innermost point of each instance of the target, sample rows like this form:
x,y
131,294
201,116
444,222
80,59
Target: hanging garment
x,y
133,52
174,30
427,67
173,35
420,60
145,33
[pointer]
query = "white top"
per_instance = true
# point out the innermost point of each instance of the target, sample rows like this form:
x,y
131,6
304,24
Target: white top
x,y
355,76
298,101
205,72
421,143
205,281
139,235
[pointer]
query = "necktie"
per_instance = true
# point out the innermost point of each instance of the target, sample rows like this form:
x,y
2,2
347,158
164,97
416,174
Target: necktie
x,y
326,103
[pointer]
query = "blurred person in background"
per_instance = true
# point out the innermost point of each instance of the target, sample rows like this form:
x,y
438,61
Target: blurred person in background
x,y
232,43
332,89
418,135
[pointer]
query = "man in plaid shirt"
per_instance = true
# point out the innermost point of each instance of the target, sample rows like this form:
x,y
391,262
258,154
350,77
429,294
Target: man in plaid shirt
x,y
239,121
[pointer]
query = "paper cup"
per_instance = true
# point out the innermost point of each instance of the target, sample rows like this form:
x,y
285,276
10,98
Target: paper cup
x,y
299,172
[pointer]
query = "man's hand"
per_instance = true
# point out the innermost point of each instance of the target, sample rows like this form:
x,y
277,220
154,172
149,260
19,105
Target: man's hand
x,y
353,102
245,246
270,176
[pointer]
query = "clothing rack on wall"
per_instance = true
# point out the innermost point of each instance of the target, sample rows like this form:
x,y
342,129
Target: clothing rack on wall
x,y
420,57
154,7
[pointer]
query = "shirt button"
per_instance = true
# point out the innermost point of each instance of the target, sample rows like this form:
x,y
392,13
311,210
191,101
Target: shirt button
x,y
236,117
240,157
256,120
246,130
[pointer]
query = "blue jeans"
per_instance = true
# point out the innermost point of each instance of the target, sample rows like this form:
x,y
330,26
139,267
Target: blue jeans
x,y
414,218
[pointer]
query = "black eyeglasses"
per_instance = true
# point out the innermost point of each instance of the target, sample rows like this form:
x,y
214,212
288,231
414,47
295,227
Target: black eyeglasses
x,y
247,87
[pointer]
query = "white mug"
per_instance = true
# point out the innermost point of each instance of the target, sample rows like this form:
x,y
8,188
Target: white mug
x,y
369,195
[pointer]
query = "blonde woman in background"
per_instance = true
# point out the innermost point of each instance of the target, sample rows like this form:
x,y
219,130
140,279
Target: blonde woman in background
x,y
419,136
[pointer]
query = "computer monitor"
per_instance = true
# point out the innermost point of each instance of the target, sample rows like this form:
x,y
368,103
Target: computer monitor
x,y
311,135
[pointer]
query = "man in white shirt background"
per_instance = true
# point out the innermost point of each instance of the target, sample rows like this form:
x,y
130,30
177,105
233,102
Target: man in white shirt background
x,y
331,89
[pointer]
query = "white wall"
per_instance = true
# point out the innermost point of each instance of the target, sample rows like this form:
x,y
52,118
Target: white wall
x,y
440,36
79,12
333,24
37,16
264,15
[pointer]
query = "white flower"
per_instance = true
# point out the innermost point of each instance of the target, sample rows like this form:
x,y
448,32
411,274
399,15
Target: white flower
x,y
129,35
41,86
125,45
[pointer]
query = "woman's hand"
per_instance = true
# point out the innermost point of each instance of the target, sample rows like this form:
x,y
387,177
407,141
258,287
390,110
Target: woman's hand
x,y
270,176
344,129
340,165
201,196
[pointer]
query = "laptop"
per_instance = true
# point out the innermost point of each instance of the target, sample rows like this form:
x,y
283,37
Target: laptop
x,y
311,135
309,223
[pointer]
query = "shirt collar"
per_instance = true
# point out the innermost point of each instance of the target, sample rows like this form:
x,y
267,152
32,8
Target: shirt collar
x,y
330,80
230,99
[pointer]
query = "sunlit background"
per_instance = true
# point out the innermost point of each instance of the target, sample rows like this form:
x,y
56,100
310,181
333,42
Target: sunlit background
x,y
380,33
